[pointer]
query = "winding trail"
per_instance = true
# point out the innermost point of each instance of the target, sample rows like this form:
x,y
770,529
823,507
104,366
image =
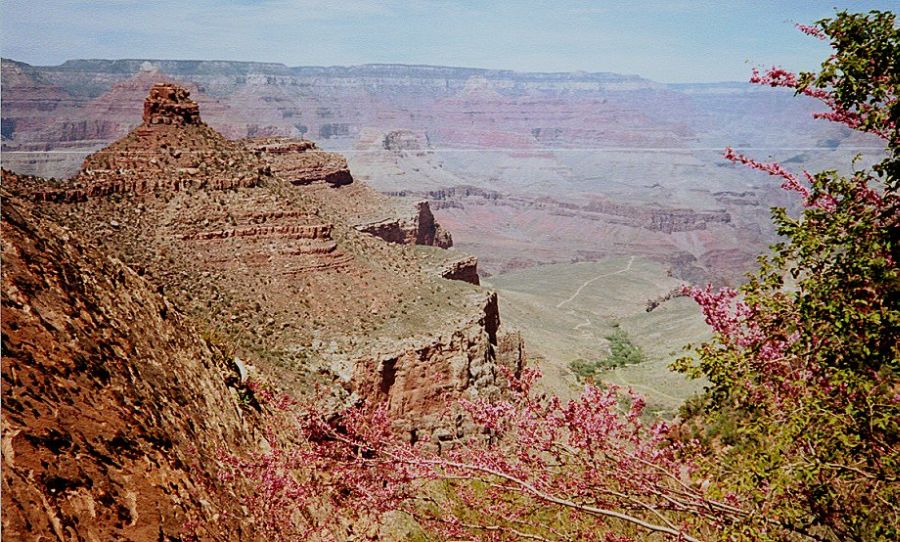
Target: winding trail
x,y
625,269
586,323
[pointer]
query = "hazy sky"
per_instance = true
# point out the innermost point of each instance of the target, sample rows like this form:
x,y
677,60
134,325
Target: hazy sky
x,y
668,41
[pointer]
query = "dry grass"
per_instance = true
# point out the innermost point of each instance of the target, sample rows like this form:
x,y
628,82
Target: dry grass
x,y
561,326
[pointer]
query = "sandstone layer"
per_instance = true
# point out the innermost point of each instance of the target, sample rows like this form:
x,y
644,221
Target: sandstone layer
x,y
328,181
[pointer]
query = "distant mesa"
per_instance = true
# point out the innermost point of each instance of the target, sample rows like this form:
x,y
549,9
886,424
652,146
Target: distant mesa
x,y
168,103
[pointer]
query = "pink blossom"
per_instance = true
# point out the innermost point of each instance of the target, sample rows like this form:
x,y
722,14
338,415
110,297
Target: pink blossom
x,y
813,31
791,182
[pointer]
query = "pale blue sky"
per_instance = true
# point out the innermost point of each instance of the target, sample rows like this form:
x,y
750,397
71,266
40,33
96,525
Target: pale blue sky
x,y
668,41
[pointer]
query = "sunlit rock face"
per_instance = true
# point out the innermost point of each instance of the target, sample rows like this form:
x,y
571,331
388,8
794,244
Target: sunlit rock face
x,y
269,243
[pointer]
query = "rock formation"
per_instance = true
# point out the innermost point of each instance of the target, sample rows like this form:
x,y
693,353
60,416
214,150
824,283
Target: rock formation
x,y
329,182
279,269
170,104
114,407
418,229
301,162
464,269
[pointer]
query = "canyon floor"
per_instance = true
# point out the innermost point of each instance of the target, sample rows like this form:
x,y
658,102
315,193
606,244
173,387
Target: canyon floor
x,y
566,311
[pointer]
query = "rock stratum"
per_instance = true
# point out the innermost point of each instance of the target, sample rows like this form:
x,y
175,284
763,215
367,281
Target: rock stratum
x,y
583,165
129,288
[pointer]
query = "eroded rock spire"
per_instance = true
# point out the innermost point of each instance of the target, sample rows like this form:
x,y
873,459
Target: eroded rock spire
x,y
169,103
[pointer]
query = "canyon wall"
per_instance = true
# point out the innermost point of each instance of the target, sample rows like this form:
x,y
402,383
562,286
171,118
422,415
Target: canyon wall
x,y
631,166
278,268
114,407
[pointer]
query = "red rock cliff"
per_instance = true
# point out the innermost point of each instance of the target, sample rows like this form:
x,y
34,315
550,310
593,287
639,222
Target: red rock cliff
x,y
113,406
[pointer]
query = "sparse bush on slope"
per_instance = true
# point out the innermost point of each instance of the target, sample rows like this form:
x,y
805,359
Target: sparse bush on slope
x,y
622,352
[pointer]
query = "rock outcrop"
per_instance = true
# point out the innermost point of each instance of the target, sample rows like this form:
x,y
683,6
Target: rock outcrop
x,y
464,269
172,150
170,104
278,269
114,408
422,380
301,162
418,229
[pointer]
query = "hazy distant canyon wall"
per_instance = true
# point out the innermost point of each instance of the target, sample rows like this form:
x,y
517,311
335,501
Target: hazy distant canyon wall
x,y
522,168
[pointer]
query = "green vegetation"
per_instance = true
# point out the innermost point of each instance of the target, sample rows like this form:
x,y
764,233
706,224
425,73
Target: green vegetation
x,y
802,414
622,352
559,327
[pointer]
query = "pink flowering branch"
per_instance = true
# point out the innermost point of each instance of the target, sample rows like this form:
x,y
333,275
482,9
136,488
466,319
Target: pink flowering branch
x,y
811,30
592,457
738,324
791,182
546,497
857,120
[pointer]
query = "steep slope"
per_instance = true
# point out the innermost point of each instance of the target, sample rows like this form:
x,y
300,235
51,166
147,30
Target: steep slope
x,y
113,406
273,270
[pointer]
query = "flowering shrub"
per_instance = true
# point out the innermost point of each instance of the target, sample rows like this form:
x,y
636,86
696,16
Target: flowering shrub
x,y
586,470
796,437
803,400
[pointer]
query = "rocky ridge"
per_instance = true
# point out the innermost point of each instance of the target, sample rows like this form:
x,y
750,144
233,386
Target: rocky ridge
x,y
114,407
278,268
130,290
301,162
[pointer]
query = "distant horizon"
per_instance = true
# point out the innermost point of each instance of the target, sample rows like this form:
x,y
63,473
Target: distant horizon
x,y
666,41
366,64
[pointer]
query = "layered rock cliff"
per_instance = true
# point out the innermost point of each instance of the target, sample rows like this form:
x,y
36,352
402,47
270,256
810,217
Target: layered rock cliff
x,y
648,152
302,163
279,269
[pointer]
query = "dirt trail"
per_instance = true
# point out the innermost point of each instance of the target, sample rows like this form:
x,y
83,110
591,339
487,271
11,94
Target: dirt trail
x,y
624,382
587,322
589,281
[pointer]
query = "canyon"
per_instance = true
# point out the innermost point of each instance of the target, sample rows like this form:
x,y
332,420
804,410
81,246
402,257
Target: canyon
x,y
256,261
207,233
524,168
